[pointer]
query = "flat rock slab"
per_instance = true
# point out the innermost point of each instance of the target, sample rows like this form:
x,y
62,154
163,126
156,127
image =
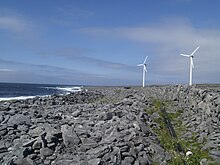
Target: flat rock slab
x,y
70,137
19,119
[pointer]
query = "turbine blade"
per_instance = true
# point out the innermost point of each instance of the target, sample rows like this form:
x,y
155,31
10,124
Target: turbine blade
x,y
195,50
145,60
140,64
145,69
186,55
191,60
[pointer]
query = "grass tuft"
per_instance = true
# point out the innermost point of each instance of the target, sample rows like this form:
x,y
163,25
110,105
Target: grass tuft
x,y
169,143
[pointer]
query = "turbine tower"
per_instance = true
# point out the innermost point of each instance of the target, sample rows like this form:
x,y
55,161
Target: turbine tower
x,y
144,70
191,65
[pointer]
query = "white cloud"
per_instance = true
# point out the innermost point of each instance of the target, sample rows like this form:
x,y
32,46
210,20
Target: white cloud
x,y
70,15
31,73
169,39
7,70
79,54
74,12
16,25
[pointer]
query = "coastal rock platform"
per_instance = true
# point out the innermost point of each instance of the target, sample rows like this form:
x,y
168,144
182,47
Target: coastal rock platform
x,y
107,126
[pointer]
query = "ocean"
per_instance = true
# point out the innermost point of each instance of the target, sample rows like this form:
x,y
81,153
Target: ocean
x,y
11,91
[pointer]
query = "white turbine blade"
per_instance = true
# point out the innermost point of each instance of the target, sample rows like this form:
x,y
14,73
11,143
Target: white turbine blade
x,y
145,60
140,64
191,61
186,55
195,50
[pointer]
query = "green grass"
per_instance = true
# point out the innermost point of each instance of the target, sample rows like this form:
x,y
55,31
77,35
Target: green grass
x,y
169,143
158,104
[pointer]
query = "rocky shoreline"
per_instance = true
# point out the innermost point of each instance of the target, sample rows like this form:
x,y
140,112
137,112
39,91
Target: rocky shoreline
x,y
106,126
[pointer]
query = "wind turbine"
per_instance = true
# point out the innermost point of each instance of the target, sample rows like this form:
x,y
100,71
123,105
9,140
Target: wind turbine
x,y
144,70
191,65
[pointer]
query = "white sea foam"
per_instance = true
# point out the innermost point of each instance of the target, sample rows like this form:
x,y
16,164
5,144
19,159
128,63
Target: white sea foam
x,y
69,89
17,98
66,89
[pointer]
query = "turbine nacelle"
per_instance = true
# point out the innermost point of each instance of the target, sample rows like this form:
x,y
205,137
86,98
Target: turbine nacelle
x,y
144,63
190,55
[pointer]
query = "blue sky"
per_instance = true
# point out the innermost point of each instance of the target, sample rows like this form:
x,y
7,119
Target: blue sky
x,y
100,42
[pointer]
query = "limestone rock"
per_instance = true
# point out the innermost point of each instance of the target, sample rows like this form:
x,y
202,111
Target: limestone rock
x,y
70,137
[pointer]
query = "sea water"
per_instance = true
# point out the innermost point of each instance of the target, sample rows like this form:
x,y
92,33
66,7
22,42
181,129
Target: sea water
x,y
11,91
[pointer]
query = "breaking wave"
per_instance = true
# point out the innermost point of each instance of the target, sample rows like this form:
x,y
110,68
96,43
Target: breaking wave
x,y
22,92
